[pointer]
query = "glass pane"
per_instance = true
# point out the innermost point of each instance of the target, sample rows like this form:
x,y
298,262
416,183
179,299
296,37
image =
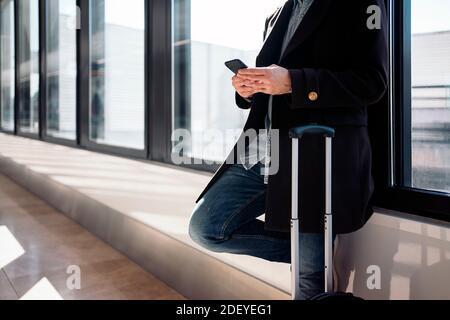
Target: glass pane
x,y
61,68
431,95
117,114
204,38
28,33
7,65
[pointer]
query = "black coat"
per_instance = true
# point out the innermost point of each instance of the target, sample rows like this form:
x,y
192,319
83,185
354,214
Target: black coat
x,y
338,68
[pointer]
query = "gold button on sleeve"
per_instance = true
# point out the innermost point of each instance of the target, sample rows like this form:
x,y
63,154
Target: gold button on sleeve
x,y
313,96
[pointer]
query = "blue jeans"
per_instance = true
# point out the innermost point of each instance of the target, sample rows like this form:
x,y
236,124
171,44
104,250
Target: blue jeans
x,y
225,221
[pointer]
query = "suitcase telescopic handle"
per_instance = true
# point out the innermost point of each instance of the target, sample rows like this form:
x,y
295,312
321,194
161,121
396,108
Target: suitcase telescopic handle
x,y
296,134
299,132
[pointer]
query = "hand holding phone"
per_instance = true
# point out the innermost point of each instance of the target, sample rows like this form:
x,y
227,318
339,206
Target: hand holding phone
x,y
236,65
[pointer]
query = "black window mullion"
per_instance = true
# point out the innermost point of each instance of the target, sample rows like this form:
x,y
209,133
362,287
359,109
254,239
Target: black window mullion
x,y
404,124
160,70
147,79
1,71
16,69
42,69
83,79
182,56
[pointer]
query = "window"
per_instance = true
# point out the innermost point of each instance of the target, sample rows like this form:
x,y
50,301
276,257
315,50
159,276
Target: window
x,y
204,39
7,65
419,115
430,95
61,67
117,71
28,34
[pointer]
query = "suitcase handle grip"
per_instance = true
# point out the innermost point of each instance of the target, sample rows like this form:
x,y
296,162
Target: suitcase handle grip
x,y
299,132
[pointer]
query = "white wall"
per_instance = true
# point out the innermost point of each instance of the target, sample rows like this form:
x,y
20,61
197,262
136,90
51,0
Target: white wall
x,y
413,254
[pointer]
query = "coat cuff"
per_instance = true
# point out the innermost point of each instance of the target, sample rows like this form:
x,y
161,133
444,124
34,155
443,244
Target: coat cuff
x,y
243,103
305,89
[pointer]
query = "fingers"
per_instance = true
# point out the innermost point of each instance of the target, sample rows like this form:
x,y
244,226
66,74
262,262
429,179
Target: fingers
x,y
247,86
237,81
262,89
255,75
249,92
256,86
238,84
256,83
241,77
246,92
255,78
242,89
253,72
248,79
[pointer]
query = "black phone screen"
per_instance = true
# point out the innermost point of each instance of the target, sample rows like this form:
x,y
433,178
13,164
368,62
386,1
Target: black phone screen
x,y
235,65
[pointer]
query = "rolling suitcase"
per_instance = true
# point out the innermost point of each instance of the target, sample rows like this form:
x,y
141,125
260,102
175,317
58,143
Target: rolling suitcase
x,y
296,135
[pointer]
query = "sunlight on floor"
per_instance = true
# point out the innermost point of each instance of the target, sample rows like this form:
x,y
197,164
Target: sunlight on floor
x,y
10,248
43,290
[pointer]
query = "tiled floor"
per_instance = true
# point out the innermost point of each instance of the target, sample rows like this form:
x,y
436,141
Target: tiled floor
x,y
39,244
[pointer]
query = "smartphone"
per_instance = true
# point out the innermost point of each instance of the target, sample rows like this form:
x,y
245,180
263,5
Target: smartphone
x,y
235,65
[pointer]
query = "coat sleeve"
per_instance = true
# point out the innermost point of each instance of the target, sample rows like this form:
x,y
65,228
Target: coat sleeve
x,y
243,103
363,83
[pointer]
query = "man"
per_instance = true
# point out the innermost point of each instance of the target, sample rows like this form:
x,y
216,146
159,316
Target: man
x,y
321,63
